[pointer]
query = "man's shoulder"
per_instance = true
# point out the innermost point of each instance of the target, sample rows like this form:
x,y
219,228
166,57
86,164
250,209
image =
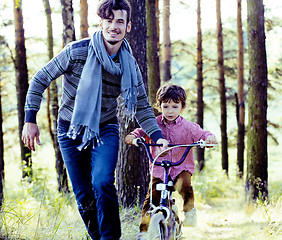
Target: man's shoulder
x,y
78,50
83,43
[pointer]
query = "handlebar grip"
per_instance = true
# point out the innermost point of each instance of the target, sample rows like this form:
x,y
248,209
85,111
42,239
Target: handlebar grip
x,y
138,141
135,142
201,144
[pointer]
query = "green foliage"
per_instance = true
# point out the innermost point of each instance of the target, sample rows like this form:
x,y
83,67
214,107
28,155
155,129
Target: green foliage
x,y
38,211
39,206
44,213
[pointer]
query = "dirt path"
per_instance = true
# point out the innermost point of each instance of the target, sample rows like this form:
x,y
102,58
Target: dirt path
x,y
223,223
233,222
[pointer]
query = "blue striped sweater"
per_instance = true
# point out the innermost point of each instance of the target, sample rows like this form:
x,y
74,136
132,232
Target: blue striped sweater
x,y
69,63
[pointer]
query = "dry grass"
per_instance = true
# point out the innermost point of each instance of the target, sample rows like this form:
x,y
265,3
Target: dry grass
x,y
36,211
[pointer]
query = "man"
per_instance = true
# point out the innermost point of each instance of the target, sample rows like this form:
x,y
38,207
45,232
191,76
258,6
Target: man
x,y
96,72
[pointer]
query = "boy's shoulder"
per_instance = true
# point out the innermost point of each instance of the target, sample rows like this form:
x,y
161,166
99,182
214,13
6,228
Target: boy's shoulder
x,y
159,119
183,120
187,124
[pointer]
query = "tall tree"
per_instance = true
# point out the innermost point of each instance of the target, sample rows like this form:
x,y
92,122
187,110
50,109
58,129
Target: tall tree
x,y
2,176
222,89
257,174
21,84
67,15
52,100
166,42
200,101
133,168
240,106
68,36
158,22
152,50
83,18
50,45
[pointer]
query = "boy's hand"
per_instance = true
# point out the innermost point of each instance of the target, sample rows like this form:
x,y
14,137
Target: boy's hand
x,y
211,139
128,139
164,142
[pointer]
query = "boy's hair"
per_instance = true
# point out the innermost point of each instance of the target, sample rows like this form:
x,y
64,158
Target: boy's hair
x,y
171,92
105,8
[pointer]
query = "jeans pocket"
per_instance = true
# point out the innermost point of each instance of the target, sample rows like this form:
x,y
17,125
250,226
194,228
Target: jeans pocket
x,y
62,132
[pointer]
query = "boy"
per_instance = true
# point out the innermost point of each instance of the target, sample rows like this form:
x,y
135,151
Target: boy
x,y
171,99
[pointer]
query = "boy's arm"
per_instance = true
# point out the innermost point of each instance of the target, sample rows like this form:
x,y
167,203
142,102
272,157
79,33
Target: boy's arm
x,y
200,133
137,133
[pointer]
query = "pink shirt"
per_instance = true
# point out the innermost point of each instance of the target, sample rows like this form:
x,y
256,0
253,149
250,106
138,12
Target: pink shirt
x,y
180,131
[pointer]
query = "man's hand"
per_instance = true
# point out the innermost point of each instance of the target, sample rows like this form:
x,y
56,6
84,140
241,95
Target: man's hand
x,y
211,139
29,133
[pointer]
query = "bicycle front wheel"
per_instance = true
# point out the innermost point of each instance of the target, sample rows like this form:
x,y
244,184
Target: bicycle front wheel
x,y
157,227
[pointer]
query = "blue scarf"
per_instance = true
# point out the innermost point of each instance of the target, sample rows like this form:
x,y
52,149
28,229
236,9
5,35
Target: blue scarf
x,y
87,107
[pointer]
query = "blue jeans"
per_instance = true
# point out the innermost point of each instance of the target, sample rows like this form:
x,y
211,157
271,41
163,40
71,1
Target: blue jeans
x,y
91,172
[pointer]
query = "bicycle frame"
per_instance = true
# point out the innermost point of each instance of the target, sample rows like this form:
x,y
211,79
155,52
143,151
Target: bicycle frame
x,y
166,188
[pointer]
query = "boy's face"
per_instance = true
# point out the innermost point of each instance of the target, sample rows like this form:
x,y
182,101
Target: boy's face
x,y
114,28
171,110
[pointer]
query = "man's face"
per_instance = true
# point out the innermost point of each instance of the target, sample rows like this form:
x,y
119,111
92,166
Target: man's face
x,y
114,29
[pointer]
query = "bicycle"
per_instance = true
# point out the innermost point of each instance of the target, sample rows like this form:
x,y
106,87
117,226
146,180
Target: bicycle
x,y
165,223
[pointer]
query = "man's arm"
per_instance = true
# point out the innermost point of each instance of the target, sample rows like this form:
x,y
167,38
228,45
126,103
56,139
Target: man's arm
x,y
145,114
41,80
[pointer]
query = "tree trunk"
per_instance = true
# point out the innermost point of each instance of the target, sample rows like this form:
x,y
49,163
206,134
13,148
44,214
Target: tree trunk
x,y
200,101
83,18
241,98
257,174
68,36
21,85
166,42
50,55
152,51
133,168
2,175
222,90
52,97
158,23
67,15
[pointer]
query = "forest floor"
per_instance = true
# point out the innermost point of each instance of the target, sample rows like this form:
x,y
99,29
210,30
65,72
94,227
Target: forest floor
x,y
228,219
37,211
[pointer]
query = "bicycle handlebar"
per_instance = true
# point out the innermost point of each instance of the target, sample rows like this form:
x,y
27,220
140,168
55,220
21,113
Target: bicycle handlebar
x,y
201,143
166,164
141,141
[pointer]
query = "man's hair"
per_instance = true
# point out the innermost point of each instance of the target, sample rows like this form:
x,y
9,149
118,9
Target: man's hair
x,y
106,7
171,92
